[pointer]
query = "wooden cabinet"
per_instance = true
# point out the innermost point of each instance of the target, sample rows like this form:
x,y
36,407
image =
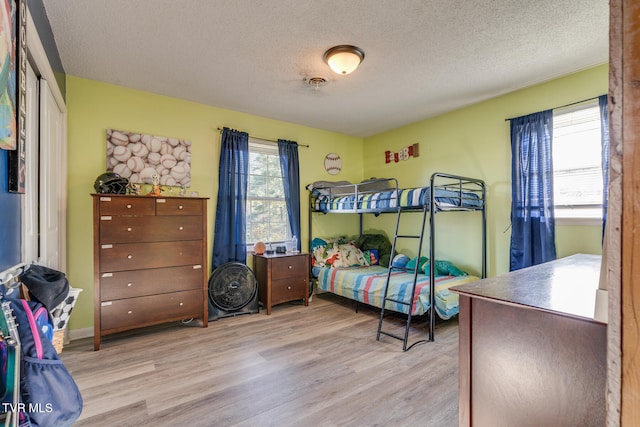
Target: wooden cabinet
x,y
149,261
282,278
531,351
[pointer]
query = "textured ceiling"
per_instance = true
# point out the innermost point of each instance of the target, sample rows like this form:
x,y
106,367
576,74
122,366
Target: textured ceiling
x,y
423,57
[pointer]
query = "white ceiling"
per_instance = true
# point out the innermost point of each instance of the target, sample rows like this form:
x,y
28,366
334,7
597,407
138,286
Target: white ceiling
x,y
423,57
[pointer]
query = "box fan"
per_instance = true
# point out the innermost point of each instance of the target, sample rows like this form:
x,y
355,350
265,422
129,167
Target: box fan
x,y
233,290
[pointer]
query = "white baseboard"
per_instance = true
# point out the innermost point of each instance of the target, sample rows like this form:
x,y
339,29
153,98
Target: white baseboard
x,y
76,334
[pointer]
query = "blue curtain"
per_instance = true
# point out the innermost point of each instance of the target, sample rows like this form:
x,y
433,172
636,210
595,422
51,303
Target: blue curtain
x,y
290,166
532,216
229,238
604,132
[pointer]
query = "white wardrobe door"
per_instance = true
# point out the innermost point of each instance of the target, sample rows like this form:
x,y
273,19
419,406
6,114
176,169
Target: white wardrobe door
x,y
30,207
52,180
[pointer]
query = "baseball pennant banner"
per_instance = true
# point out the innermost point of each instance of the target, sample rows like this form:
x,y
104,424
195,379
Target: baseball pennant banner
x,y
404,154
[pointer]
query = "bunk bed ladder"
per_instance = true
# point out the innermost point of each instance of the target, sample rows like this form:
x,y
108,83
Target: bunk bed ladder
x,y
408,304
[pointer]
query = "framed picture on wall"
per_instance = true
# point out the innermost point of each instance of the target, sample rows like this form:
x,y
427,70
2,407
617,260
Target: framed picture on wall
x,y
13,89
139,157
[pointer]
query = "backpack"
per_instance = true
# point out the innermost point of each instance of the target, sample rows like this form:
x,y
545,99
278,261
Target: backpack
x,y
50,396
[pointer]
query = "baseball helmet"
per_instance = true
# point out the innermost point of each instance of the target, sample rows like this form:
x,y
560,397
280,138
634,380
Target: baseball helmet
x,y
110,183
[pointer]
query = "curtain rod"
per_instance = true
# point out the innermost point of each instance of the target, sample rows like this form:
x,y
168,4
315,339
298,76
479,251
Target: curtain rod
x,y
269,140
562,106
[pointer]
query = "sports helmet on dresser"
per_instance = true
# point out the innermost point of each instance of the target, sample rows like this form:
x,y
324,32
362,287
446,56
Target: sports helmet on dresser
x,y
110,183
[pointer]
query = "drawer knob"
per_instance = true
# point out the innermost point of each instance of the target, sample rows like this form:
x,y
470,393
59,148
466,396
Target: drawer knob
x,y
128,206
181,304
290,267
181,228
289,287
180,207
130,312
129,229
129,256
129,284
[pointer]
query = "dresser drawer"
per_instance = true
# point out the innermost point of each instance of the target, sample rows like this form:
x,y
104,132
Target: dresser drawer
x,y
288,289
137,256
131,206
178,207
125,229
137,283
289,266
149,310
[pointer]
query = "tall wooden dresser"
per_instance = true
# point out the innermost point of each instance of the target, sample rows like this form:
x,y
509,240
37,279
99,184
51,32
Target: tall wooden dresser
x,y
149,261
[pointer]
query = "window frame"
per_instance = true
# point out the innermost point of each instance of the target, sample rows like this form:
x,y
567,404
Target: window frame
x,y
578,220
269,148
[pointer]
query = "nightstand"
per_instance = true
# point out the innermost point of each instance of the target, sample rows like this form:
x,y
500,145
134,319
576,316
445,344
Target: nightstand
x,y
282,278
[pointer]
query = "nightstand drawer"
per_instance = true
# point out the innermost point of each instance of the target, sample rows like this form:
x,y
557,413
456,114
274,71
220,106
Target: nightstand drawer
x,y
129,284
288,289
126,229
148,310
137,256
288,266
131,206
178,207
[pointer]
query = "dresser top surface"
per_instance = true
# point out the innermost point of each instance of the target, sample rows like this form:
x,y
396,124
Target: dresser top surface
x,y
149,197
279,255
566,286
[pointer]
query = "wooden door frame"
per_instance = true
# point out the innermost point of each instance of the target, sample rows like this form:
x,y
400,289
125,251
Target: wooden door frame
x,y
622,263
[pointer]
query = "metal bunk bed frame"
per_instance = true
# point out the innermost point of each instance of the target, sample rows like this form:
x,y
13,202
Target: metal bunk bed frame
x,y
461,186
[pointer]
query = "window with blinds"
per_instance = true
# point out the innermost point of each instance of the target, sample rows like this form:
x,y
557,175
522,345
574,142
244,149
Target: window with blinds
x,y
577,163
267,217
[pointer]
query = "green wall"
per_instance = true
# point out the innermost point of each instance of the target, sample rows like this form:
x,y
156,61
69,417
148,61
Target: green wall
x,y
472,141
94,107
475,142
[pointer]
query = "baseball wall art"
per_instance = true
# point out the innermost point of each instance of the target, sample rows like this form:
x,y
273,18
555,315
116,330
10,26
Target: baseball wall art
x,y
332,163
137,157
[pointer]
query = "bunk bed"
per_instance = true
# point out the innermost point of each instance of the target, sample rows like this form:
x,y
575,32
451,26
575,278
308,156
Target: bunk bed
x,y
398,288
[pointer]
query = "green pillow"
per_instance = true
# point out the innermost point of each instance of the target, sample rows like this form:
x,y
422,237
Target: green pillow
x,y
411,265
443,268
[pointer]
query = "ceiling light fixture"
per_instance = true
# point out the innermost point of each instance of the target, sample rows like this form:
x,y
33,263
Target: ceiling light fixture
x,y
343,59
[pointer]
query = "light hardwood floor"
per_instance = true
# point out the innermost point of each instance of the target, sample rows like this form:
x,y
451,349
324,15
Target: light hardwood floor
x,y
301,366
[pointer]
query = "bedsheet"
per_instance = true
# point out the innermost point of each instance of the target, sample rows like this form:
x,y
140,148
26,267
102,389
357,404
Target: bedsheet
x,y
388,199
366,284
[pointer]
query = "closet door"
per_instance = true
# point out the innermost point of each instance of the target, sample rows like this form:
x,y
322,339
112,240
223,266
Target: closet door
x,y
30,207
45,199
52,180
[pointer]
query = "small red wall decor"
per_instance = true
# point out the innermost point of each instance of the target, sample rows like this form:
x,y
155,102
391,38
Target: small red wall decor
x,y
404,154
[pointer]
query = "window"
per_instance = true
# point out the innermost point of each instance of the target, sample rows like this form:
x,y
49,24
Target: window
x,y
267,217
577,165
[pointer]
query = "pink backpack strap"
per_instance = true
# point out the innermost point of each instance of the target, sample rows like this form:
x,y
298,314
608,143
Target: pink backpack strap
x,y
35,331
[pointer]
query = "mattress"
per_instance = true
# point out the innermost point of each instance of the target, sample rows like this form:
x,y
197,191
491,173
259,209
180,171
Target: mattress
x,y
390,199
366,285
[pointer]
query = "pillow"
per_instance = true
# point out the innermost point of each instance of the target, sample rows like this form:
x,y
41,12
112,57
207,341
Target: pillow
x,y
378,242
343,255
374,185
411,265
324,187
350,256
400,261
336,252
371,256
444,268
319,249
